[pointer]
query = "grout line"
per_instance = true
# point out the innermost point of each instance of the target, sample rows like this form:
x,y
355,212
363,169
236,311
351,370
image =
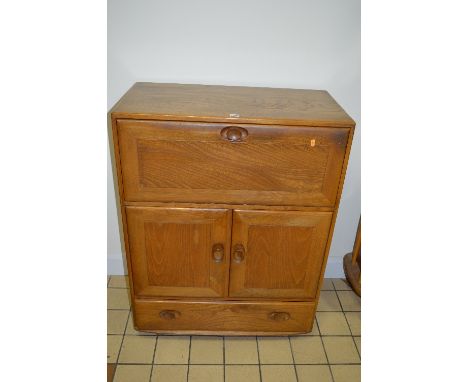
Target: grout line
x,y
294,361
152,360
334,286
349,327
241,364
258,356
325,351
121,343
108,287
354,339
188,362
292,335
224,361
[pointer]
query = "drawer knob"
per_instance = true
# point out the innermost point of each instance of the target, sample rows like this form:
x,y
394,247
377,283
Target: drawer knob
x,y
169,314
218,252
239,253
279,316
234,133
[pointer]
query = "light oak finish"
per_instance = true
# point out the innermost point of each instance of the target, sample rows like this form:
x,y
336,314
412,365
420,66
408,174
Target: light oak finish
x,y
194,162
218,317
231,104
173,253
228,197
283,253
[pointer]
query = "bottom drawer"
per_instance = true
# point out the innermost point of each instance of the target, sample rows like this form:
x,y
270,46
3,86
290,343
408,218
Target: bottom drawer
x,y
233,317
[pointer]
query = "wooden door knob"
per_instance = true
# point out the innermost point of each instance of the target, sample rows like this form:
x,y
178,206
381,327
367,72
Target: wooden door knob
x,y
169,314
239,253
218,252
279,316
234,133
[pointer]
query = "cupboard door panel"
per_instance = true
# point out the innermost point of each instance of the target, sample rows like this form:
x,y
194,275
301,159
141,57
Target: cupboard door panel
x,y
179,251
277,254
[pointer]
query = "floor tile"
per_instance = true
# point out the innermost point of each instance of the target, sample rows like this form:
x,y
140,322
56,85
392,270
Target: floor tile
x,y
242,373
240,350
341,284
137,349
169,373
199,373
313,373
132,373
130,329
172,350
119,282
350,301
328,302
357,340
308,350
206,350
117,299
116,321
354,321
278,373
332,323
341,350
274,350
327,284
346,373
113,347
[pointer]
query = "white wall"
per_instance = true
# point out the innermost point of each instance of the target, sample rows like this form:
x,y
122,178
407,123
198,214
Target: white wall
x,y
298,44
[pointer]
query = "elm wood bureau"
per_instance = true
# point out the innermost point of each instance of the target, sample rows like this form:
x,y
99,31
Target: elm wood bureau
x,y
228,199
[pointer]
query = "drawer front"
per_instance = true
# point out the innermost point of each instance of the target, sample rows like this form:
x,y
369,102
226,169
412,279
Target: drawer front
x,y
218,163
224,316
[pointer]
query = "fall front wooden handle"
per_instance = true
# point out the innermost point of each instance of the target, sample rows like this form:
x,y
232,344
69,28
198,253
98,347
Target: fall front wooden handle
x,y
279,316
169,314
234,133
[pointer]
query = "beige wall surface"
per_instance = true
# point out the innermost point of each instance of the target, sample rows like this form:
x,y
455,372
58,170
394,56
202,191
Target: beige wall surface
x,y
298,44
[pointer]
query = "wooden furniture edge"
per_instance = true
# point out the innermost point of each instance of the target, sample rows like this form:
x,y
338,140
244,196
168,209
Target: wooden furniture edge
x,y
251,121
335,212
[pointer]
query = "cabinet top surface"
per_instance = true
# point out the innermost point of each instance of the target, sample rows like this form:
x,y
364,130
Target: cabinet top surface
x,y
214,103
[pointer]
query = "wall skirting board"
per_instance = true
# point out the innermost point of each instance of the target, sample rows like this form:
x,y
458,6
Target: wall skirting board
x,y
115,266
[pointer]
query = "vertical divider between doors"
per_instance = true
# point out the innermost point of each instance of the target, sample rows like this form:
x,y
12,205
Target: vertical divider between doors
x,y
228,257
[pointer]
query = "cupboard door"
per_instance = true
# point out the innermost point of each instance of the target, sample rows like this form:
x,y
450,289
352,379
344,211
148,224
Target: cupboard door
x,y
179,251
277,254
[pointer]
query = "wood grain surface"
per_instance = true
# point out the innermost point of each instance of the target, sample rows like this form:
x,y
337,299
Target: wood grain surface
x,y
224,316
283,253
208,175
171,251
234,104
192,162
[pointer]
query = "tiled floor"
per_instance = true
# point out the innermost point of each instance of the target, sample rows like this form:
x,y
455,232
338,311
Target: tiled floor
x,y
330,353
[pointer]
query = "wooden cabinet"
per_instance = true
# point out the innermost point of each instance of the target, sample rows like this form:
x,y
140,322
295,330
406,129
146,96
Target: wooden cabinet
x,y
228,198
